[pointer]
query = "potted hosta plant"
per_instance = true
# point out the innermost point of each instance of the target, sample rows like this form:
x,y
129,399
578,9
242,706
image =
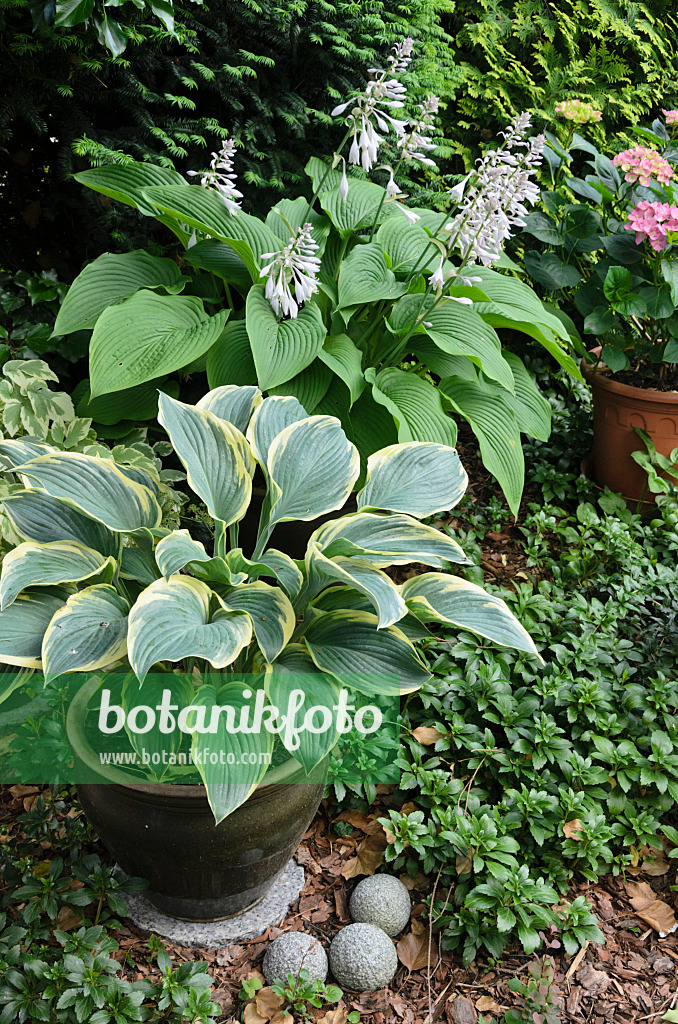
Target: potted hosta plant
x,y
354,303
100,587
614,254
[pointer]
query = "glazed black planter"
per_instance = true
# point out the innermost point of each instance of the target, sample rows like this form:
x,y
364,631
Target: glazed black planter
x,y
196,870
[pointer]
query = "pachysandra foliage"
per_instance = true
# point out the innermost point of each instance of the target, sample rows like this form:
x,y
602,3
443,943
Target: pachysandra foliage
x,y
97,582
353,303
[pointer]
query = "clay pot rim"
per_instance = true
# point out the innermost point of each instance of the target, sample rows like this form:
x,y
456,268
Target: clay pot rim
x,y
598,377
111,776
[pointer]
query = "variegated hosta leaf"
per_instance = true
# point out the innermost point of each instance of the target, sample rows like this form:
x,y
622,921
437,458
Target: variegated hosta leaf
x,y
295,670
387,540
374,661
417,478
97,487
339,597
232,403
171,620
312,467
87,633
272,614
229,785
38,516
23,625
216,457
62,561
362,576
11,679
16,453
153,741
268,420
435,597
178,550
272,563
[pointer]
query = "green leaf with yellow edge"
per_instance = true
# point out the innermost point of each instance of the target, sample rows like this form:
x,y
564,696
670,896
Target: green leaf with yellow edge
x,y
418,478
87,633
61,561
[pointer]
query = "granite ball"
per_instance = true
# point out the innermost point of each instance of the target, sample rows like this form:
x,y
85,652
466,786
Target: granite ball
x,y
382,900
363,958
291,952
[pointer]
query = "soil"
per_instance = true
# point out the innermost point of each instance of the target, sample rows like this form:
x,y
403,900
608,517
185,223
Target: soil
x,y
649,379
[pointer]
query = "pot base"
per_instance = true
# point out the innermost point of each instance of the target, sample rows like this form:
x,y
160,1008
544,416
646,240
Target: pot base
x,y
269,910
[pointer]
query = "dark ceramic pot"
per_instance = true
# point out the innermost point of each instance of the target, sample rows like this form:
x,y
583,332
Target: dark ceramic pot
x,y
196,870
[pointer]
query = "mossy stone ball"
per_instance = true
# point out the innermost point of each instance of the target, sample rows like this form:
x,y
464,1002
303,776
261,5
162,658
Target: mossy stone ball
x,y
363,958
382,900
291,952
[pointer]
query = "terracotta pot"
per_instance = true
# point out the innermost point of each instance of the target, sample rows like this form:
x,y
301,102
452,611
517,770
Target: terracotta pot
x,y
617,409
196,870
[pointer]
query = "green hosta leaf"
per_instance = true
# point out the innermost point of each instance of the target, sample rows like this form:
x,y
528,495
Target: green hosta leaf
x,y
138,565
348,646
220,259
414,404
268,420
109,279
11,681
171,621
139,403
39,517
309,387
408,246
232,403
214,453
23,625
272,563
531,409
372,424
296,213
345,359
87,633
436,597
16,453
360,575
126,183
321,172
387,540
495,425
419,479
272,614
230,361
339,597
365,277
459,331
281,348
312,468
504,315
178,549
149,335
98,488
62,561
153,741
295,670
229,785
358,210
203,208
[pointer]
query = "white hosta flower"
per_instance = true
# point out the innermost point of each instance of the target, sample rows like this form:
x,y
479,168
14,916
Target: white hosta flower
x,y
498,199
410,216
417,138
381,96
343,185
437,278
221,176
294,265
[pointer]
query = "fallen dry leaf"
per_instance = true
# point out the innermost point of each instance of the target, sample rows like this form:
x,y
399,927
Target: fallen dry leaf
x,y
426,735
267,1003
464,864
282,1017
649,909
486,1004
413,949
67,919
251,1016
571,829
368,858
461,1011
21,791
334,1016
359,820
593,981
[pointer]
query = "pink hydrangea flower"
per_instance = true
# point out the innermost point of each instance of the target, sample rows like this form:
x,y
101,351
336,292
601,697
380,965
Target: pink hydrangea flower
x,y
654,221
671,116
575,110
642,163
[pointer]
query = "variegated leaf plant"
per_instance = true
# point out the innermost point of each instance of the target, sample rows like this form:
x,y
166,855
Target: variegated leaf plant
x,y
98,583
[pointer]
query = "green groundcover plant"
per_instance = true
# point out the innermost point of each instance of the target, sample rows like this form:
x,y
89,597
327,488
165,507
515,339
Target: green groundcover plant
x,y
609,242
380,314
528,779
99,580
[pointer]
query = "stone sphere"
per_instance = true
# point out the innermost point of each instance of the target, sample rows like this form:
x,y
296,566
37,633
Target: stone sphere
x,y
291,952
382,900
362,958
